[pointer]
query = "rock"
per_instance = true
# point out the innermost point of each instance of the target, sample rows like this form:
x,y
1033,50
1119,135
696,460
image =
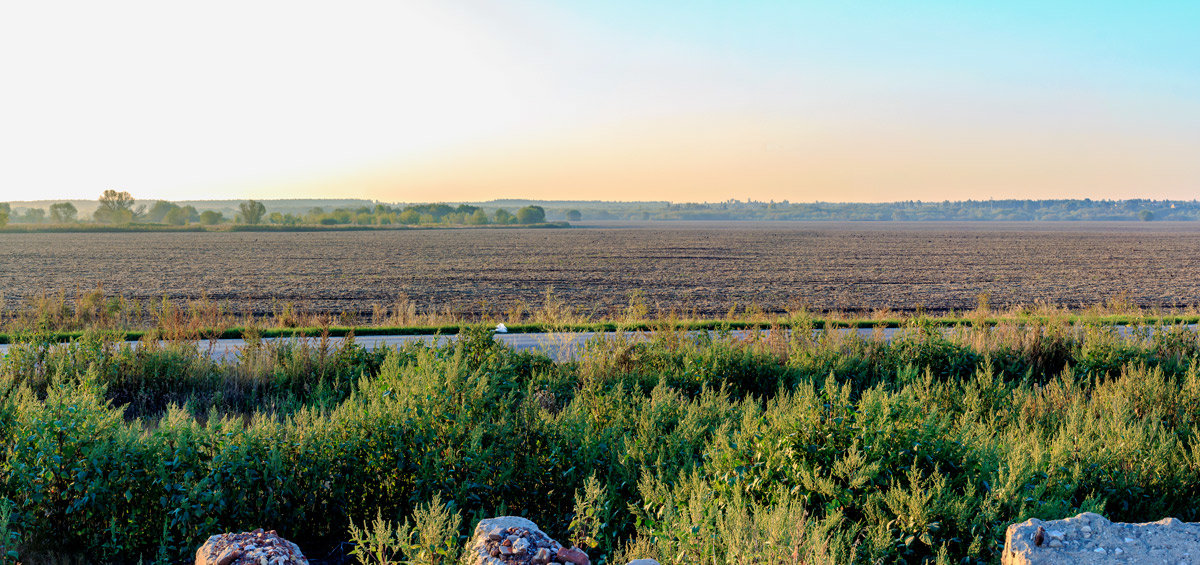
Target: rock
x,y
573,555
1091,538
257,547
511,540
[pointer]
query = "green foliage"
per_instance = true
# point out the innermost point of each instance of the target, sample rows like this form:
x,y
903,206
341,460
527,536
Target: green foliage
x,y
63,212
10,537
115,208
160,209
175,217
968,210
430,538
170,213
380,543
283,219
590,521
688,521
808,448
478,218
531,215
251,212
211,218
409,217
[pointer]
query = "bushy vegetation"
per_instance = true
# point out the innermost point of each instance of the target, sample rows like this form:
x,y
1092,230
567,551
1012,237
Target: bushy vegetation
x,y
785,447
117,208
969,210
413,215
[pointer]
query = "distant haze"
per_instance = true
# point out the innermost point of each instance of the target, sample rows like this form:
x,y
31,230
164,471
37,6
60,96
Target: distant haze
x,y
425,100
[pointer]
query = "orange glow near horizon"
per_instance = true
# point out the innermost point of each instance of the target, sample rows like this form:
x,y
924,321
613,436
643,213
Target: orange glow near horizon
x,y
752,158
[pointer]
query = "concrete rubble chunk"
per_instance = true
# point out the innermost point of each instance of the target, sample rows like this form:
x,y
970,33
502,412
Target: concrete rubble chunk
x,y
512,540
249,548
1091,539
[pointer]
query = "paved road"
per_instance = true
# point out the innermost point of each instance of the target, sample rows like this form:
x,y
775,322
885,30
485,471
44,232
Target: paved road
x,y
559,346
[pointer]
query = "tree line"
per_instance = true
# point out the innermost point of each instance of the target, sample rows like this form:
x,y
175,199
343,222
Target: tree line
x,y
913,210
121,209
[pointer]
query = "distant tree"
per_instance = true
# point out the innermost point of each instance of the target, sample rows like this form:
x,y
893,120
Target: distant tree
x,y
504,217
159,210
1145,215
115,208
34,216
193,215
177,216
410,217
211,218
478,218
574,215
283,219
63,212
531,215
436,211
252,212
4,211
454,218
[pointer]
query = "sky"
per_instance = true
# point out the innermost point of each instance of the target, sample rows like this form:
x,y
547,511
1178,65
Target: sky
x,y
444,100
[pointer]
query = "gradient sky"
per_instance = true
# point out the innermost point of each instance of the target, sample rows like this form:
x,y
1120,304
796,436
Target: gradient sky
x,y
415,100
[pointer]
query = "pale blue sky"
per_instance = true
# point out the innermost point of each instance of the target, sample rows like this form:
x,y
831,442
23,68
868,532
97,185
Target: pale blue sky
x,y
699,100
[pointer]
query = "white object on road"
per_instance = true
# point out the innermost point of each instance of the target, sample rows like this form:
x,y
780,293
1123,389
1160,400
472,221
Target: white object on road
x,y
501,329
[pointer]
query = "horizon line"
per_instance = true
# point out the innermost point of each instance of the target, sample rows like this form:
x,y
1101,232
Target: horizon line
x,y
669,202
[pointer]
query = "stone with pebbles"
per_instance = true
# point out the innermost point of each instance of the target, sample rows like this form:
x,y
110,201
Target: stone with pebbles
x,y
512,540
249,548
1091,538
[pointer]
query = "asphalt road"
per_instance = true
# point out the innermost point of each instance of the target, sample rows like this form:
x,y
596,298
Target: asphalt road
x,y
559,346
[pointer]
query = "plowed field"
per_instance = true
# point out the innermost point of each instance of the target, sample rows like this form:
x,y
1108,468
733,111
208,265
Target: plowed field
x,y
693,267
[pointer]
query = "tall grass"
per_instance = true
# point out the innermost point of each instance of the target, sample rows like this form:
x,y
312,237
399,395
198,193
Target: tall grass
x,y
789,447
68,314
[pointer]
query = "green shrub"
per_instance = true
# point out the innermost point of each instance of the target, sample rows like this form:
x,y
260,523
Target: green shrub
x,y
688,448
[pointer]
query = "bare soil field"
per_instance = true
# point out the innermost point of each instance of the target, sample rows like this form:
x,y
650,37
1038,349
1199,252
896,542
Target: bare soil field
x,y
694,267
